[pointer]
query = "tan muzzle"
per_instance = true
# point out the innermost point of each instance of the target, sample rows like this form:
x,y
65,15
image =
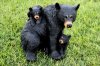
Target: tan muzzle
x,y
61,41
68,24
36,17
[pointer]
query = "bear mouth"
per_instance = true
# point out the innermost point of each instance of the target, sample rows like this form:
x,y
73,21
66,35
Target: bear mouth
x,y
68,24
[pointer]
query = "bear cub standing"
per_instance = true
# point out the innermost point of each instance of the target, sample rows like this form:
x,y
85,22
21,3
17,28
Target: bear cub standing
x,y
63,43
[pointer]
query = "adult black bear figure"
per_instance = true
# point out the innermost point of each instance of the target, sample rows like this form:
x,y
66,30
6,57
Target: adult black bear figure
x,y
33,34
59,16
63,43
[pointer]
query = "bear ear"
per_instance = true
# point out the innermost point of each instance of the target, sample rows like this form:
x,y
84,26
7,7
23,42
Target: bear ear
x,y
76,7
41,9
29,13
57,6
30,9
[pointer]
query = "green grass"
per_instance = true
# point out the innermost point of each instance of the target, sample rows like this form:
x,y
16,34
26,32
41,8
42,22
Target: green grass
x,y
84,47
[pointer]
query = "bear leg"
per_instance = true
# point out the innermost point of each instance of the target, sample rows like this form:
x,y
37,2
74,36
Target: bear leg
x,y
33,42
54,53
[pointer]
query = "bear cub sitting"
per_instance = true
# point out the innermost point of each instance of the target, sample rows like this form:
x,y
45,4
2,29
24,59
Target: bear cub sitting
x,y
34,32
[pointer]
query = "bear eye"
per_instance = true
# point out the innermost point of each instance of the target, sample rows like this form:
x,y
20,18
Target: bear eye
x,y
66,16
70,16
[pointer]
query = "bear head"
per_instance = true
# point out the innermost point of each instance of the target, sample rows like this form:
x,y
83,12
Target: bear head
x,y
35,12
64,39
66,14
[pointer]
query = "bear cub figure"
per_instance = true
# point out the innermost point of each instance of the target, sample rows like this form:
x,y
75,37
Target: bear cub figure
x,y
34,32
63,43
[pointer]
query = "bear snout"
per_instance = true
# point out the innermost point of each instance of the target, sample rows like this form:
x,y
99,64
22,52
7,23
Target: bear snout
x,y
61,41
37,17
68,24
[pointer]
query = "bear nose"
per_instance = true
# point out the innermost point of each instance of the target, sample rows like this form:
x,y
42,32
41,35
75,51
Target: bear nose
x,y
69,25
36,17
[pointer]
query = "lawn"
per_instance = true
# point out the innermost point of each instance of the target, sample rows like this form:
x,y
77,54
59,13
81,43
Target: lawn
x,y
84,47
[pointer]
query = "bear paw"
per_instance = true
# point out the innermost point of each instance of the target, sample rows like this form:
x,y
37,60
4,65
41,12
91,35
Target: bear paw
x,y
55,55
30,56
